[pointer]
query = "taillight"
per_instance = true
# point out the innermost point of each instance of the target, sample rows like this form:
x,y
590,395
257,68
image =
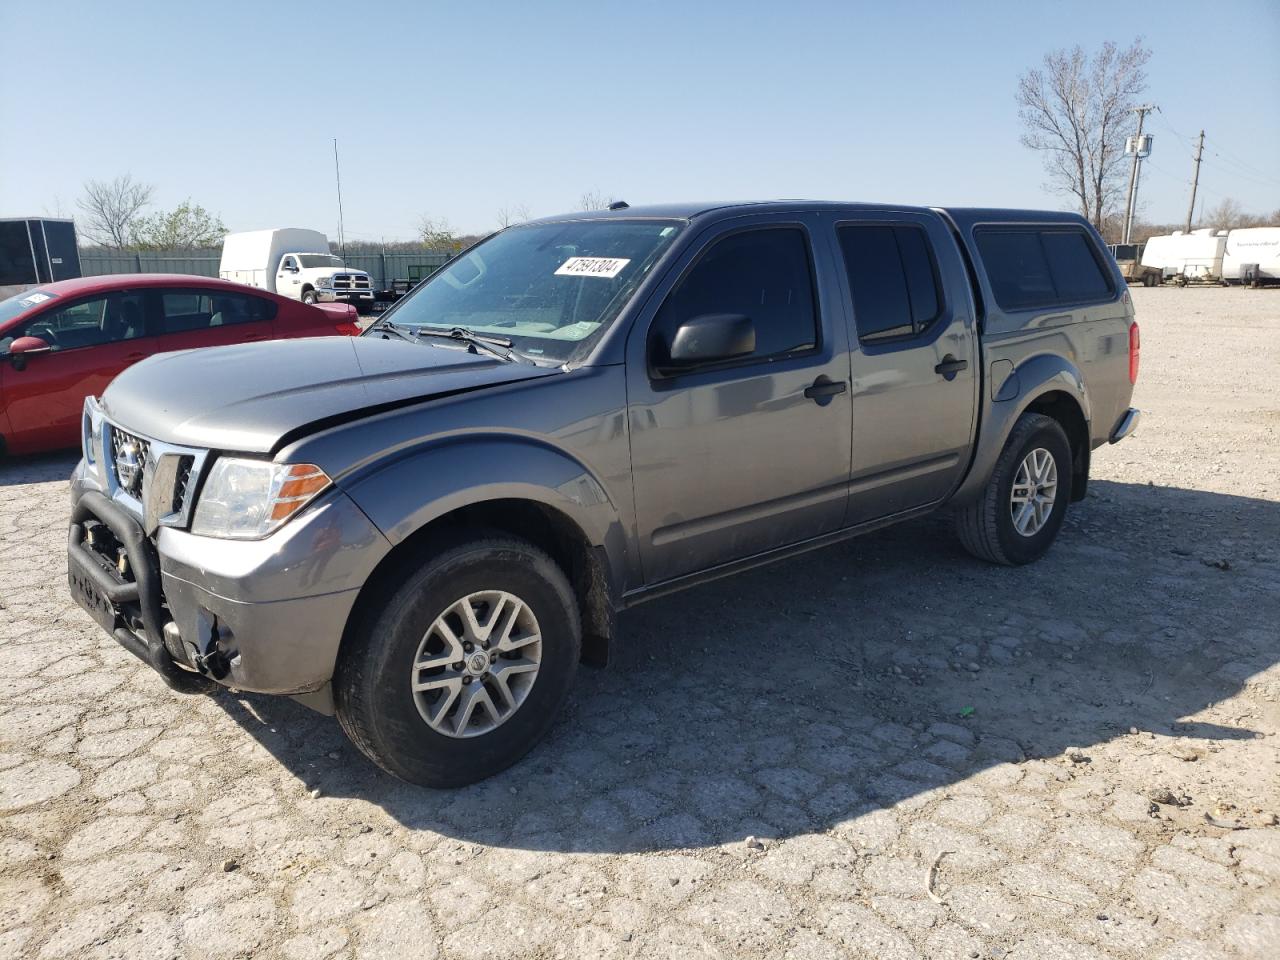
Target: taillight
x,y
348,329
1134,351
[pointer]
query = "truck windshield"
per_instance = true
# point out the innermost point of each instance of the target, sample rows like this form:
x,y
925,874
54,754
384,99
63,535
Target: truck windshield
x,y
547,287
313,260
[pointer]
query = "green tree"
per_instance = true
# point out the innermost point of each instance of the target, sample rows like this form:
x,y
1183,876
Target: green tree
x,y
188,226
436,233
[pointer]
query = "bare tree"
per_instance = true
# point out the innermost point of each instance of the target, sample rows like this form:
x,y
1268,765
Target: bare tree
x,y
110,209
512,213
1077,111
1227,215
595,200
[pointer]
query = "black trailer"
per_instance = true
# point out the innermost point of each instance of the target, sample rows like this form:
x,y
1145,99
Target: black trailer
x,y
36,250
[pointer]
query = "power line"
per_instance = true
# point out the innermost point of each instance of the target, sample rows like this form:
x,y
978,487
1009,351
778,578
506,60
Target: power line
x,y
1230,158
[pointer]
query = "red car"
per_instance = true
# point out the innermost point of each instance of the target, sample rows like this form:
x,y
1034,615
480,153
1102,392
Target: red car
x,y
63,341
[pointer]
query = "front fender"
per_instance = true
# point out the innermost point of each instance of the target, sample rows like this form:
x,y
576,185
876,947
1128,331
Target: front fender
x,y
405,494
1010,392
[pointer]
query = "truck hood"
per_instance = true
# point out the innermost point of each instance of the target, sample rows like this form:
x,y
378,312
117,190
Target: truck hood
x,y
250,397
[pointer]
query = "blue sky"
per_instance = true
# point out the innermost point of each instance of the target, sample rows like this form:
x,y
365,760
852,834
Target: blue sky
x,y
457,109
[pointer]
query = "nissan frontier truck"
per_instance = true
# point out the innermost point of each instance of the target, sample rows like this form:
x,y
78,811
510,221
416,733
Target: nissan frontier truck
x,y
426,528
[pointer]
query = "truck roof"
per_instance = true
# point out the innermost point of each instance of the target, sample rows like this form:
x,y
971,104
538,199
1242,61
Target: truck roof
x,y
964,217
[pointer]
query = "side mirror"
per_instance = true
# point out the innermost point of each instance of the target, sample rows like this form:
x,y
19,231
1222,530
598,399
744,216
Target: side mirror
x,y
24,347
710,338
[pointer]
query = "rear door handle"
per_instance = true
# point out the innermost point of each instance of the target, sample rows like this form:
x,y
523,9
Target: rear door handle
x,y
824,388
950,366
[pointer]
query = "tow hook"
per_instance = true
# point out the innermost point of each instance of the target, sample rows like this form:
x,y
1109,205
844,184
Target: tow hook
x,y
211,660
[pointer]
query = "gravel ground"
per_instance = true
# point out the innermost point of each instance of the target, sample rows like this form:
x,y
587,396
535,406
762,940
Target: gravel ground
x,y
885,749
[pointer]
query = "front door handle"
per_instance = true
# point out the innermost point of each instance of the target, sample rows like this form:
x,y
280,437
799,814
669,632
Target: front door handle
x,y
823,389
950,366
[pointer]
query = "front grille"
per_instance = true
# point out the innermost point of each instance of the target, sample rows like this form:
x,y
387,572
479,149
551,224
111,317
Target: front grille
x,y
154,481
130,456
348,281
181,482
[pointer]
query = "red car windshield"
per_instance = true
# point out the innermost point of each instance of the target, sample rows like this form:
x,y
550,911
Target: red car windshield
x,y
16,306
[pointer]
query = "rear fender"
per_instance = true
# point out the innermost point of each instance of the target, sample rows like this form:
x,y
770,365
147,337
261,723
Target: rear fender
x,y
1008,395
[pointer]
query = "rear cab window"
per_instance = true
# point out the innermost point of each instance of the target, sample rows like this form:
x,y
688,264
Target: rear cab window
x,y
1036,267
893,280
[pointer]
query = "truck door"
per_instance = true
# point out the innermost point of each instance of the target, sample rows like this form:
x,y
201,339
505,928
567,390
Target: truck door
x,y
288,280
735,458
914,361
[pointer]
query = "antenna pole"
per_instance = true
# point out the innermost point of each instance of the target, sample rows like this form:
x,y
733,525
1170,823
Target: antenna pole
x,y
337,175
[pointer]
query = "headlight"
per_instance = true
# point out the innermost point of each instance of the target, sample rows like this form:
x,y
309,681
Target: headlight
x,y
324,281
247,499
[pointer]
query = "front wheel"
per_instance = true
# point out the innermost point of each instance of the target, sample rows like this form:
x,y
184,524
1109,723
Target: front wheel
x,y
462,671
309,296
1019,512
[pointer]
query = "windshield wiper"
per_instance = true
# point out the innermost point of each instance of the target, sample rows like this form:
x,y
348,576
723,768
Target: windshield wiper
x,y
404,333
479,342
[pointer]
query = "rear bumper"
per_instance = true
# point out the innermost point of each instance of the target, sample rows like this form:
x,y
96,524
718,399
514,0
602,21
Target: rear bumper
x,y
260,615
1126,425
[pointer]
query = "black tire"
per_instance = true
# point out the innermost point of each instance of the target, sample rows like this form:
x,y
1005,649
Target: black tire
x,y
985,525
372,683
1148,281
309,296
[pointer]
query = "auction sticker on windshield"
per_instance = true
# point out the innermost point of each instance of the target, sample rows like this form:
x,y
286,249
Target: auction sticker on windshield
x,y
607,267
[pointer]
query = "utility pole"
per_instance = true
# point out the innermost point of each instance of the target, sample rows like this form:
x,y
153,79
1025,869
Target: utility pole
x,y
337,174
1130,203
1195,181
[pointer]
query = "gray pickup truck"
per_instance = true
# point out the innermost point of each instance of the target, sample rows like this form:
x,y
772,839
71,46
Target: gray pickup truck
x,y
426,528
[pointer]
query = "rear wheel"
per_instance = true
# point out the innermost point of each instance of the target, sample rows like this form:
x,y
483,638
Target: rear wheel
x,y
464,668
1021,509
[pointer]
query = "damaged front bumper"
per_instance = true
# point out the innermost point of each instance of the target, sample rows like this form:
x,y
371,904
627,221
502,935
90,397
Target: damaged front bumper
x,y
259,615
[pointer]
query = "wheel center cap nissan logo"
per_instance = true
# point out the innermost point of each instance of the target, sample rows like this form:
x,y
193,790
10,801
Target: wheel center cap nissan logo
x,y
129,465
478,662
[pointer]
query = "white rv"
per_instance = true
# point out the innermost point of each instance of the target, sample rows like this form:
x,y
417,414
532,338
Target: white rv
x,y
1187,256
1252,250
294,263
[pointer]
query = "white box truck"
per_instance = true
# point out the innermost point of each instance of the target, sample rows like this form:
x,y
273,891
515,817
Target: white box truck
x,y
294,263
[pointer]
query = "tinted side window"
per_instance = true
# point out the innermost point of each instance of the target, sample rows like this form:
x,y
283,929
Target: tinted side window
x,y
182,311
1040,268
1075,270
1015,265
91,323
763,274
891,280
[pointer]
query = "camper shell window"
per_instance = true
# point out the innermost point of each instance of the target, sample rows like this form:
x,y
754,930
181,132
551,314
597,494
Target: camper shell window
x,y
1031,267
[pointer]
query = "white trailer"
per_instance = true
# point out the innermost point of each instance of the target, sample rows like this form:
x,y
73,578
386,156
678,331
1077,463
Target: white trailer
x,y
1252,250
1184,257
295,263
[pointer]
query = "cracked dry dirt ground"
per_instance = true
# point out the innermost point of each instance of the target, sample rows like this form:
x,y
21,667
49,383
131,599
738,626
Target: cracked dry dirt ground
x,y
820,705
